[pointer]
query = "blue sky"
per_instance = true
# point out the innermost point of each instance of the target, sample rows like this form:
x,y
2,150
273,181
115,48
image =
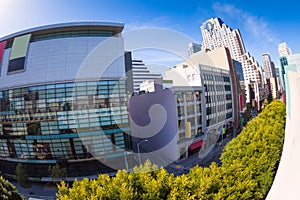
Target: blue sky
x,y
263,24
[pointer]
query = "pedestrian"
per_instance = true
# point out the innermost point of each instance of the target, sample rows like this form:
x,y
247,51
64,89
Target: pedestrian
x,y
243,121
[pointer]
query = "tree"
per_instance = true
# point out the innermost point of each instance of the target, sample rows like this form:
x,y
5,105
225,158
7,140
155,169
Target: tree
x,y
249,163
56,172
247,113
8,191
22,177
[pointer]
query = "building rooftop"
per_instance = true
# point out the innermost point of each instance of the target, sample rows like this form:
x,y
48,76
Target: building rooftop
x,y
115,27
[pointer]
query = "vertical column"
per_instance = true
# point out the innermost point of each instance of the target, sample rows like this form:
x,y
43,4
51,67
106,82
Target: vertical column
x,y
2,47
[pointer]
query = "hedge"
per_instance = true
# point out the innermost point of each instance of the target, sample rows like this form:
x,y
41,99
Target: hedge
x,y
249,164
8,191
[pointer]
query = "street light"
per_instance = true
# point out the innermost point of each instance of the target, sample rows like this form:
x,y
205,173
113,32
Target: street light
x,y
138,148
125,160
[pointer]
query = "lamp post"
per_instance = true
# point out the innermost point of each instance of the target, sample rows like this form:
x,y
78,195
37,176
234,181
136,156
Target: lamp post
x,y
138,148
125,160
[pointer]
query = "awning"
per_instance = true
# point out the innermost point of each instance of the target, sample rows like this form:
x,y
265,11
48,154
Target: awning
x,y
196,145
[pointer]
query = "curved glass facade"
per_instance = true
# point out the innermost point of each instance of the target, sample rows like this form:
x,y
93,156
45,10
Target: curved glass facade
x,y
64,120
47,117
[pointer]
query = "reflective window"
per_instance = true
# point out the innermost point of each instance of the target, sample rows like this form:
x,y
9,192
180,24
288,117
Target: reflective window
x,y
45,121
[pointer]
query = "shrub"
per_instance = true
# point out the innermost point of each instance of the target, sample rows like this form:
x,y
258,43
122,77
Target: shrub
x,y
8,191
22,177
248,166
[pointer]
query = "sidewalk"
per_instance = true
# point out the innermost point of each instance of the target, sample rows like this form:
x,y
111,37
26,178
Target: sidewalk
x,y
37,191
204,159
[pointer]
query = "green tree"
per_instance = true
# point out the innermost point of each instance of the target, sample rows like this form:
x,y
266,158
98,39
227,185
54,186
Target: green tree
x,y
266,102
56,172
8,191
247,113
248,166
22,177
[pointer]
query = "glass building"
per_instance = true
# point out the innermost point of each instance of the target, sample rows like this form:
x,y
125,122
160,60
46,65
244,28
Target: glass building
x,y
53,110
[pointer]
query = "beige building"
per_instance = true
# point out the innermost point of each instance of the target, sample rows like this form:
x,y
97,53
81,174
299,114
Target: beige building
x,y
209,69
217,34
273,86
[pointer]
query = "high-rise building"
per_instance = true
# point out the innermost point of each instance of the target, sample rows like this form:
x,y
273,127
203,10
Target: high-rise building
x,y
253,72
216,34
270,75
141,73
278,79
268,66
193,48
56,107
284,50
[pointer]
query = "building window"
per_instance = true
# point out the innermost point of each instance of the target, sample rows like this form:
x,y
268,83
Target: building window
x,y
199,120
228,115
208,111
228,96
198,107
228,106
194,77
62,109
227,88
180,111
192,121
189,78
179,96
208,122
189,96
190,109
181,136
198,95
181,123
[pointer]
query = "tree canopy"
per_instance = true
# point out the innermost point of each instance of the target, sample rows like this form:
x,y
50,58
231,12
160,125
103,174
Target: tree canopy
x,y
249,163
8,191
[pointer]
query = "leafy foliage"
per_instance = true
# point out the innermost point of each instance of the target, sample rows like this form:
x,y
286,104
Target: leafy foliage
x,y
248,166
22,177
56,172
8,191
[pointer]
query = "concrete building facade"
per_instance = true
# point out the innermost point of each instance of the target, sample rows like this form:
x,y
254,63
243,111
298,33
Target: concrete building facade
x,y
216,34
270,75
206,98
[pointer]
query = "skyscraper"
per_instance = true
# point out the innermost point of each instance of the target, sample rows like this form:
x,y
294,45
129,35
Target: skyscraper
x,y
268,66
216,34
284,50
141,73
193,48
270,74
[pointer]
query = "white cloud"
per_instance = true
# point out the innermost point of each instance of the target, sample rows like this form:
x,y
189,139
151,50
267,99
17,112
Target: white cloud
x,y
160,21
254,25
